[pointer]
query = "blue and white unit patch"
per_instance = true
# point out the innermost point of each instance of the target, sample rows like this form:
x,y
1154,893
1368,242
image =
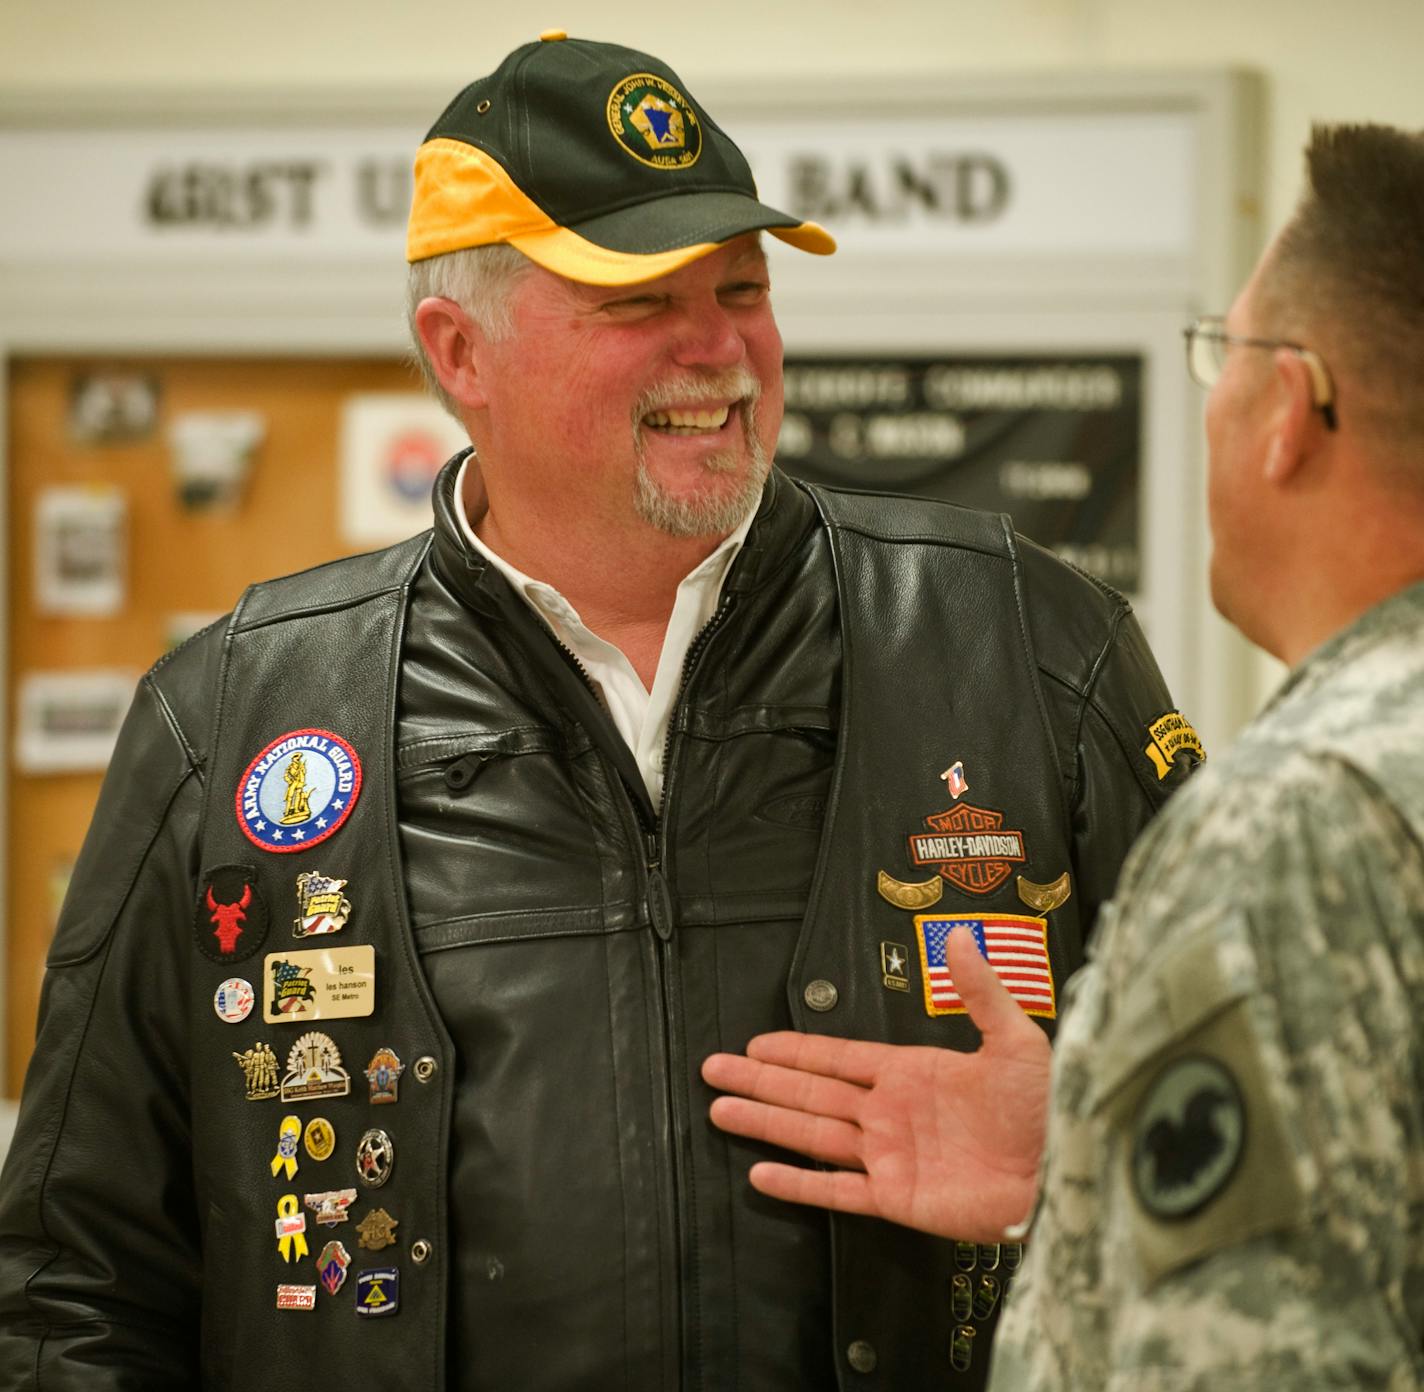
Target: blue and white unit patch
x,y
298,791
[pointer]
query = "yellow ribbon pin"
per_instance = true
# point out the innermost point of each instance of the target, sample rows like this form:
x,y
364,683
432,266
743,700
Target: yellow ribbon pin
x,y
291,1225
287,1140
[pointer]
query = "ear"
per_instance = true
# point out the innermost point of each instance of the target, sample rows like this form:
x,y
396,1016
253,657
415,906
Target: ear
x,y
454,345
1294,421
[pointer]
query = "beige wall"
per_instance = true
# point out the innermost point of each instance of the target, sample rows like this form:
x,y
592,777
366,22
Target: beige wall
x,y
1323,59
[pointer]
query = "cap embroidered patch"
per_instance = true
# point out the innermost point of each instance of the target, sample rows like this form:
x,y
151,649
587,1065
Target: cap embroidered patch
x,y
230,914
1015,945
654,122
298,791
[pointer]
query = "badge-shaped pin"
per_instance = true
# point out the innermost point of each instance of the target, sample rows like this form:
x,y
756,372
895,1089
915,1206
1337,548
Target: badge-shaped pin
x,y
291,1227
298,791
1044,898
288,1139
296,1297
375,1158
331,1266
377,1230
1015,945
230,914
383,1073
961,1297
233,1000
895,966
986,1296
378,1291
322,908
259,1069
954,780
923,894
323,983
314,1070
319,1138
331,1206
961,1348
966,1255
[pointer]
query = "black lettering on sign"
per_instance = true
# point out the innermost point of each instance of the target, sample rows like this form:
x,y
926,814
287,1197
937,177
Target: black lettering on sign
x,y
252,196
383,191
944,186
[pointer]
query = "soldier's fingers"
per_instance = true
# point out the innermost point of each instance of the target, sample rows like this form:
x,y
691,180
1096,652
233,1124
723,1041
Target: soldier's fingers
x,y
846,1191
986,998
822,1138
852,1060
783,1087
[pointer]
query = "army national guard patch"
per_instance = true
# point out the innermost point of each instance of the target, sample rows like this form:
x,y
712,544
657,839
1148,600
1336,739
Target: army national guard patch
x,y
230,914
654,122
1015,945
298,791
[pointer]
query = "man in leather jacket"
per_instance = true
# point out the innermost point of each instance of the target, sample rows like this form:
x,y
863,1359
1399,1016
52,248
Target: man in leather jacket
x,y
420,887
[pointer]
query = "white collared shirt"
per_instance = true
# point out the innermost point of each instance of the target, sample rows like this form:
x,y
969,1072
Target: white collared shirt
x,y
640,716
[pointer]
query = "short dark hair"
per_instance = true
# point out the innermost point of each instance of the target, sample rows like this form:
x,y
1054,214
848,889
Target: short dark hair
x,y
1350,265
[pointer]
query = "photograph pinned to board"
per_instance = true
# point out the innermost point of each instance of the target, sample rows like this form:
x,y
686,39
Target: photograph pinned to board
x,y
69,721
81,551
393,444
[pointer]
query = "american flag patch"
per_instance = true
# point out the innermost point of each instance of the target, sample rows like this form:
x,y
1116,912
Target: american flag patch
x,y
1015,945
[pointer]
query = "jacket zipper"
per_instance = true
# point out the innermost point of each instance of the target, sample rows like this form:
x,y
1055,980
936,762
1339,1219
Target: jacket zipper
x,y
659,905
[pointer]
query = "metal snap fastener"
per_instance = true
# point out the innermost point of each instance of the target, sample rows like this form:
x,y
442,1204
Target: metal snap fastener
x,y
425,1067
822,995
420,1251
861,1356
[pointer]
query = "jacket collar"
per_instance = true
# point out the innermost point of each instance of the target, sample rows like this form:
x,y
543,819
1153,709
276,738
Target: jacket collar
x,y
785,515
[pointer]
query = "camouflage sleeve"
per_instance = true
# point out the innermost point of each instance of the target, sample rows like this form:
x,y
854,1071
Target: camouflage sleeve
x,y
1261,1200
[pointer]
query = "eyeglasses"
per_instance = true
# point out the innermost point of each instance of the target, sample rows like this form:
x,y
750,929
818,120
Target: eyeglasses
x,y
1207,342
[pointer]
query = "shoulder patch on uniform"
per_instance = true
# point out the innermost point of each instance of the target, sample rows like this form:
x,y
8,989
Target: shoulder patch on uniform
x,y
1188,1137
1169,737
230,918
298,790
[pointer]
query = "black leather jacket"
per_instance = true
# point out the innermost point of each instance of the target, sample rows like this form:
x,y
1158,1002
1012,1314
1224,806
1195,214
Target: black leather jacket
x,y
553,960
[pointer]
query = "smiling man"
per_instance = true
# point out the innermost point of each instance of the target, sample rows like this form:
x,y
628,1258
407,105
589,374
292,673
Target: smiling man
x,y
424,883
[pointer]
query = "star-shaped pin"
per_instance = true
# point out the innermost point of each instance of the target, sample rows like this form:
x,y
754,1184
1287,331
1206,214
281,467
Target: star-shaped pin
x,y
897,962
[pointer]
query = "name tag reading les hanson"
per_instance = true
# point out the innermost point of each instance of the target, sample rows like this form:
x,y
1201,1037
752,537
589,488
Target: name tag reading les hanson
x,y
328,983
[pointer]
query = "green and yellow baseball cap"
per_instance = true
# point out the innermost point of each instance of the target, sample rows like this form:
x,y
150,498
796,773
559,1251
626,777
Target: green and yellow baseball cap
x,y
594,162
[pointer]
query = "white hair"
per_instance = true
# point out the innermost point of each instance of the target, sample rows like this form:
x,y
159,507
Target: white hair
x,y
481,281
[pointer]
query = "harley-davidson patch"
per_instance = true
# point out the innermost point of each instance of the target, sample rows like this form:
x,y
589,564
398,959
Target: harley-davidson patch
x,y
970,847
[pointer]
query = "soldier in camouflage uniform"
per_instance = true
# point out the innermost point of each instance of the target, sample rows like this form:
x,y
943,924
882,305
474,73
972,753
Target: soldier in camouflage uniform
x,y
1232,1190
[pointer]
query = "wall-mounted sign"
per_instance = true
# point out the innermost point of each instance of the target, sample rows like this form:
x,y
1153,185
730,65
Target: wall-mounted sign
x,y
1059,184
1053,441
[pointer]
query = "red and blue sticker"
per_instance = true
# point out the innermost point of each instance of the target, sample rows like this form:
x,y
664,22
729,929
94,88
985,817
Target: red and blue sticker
x,y
298,791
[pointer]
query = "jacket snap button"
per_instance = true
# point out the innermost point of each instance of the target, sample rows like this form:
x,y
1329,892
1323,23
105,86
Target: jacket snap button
x,y
420,1251
425,1067
861,1356
821,995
